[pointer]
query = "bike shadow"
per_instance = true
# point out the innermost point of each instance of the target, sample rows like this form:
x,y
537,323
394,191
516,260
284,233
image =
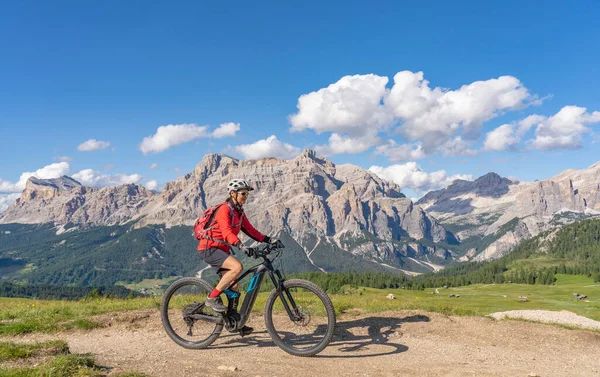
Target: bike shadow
x,y
364,337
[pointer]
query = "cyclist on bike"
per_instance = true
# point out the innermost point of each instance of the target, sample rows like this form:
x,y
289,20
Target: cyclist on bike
x,y
229,219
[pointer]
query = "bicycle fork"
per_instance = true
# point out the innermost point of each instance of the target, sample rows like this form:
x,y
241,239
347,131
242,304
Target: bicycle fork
x,y
290,305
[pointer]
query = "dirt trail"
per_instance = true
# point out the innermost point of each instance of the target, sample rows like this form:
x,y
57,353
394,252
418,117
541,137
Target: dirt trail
x,y
380,344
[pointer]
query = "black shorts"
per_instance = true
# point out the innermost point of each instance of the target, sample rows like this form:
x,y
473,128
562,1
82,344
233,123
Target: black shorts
x,y
214,257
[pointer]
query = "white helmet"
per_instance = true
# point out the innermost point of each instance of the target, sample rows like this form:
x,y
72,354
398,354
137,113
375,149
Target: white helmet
x,y
238,184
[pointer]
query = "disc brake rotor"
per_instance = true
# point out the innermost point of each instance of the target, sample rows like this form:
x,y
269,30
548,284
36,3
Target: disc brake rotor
x,y
302,316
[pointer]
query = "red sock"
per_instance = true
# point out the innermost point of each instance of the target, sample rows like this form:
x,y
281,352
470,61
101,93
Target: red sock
x,y
214,293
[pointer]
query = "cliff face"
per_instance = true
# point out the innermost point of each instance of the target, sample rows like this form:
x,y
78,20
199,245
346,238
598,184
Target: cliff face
x,y
63,200
306,194
306,197
484,207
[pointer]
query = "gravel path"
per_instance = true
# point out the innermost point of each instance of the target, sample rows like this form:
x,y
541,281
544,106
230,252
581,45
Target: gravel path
x,y
388,344
563,317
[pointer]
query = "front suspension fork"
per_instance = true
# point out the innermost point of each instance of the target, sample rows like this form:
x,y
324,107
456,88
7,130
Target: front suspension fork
x,y
290,305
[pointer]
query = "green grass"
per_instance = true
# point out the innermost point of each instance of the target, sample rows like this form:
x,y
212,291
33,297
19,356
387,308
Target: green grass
x,y
62,364
11,350
483,299
20,316
537,261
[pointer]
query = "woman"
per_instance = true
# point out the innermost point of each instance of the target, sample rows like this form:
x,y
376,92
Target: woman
x,y
228,220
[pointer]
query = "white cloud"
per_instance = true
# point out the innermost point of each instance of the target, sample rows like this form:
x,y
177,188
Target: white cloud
x,y
172,135
404,152
176,134
361,105
434,115
154,166
457,147
269,147
54,170
90,177
410,175
565,129
63,159
501,138
525,125
347,106
507,136
346,144
93,145
6,200
226,130
152,185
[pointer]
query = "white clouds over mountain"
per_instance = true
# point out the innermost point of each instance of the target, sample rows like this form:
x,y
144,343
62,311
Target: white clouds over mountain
x,y
151,185
176,134
501,138
172,135
435,115
339,144
351,109
410,175
87,177
93,145
7,200
269,147
403,152
55,170
356,109
226,130
90,177
351,105
564,129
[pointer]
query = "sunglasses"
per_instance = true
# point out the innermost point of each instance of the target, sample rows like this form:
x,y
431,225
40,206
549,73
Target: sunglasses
x,y
244,194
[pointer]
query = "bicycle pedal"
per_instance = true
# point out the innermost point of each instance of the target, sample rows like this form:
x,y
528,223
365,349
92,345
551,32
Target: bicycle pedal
x,y
246,330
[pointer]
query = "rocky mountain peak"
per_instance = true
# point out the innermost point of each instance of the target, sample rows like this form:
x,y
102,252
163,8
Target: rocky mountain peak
x,y
491,180
307,197
212,162
489,185
47,188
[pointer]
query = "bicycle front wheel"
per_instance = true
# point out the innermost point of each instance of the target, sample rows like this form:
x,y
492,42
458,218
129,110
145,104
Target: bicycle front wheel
x,y
185,318
309,328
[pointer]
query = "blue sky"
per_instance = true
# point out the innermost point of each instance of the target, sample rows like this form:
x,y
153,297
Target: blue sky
x,y
115,72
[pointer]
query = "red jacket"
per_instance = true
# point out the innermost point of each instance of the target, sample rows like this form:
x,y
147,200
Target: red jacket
x,y
227,230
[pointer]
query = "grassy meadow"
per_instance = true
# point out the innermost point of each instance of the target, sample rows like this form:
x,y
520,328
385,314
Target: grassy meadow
x,y
51,358
483,299
19,316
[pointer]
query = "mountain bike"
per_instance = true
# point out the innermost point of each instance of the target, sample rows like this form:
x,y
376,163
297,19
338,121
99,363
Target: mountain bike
x,y
299,315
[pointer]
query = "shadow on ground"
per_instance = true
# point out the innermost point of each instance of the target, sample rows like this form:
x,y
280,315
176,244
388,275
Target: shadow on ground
x,y
365,337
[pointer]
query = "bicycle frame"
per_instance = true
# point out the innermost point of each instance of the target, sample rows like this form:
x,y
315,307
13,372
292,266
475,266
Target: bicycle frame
x,y
254,287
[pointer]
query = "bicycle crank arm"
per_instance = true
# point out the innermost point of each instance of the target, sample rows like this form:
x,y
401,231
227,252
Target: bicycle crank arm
x,y
209,318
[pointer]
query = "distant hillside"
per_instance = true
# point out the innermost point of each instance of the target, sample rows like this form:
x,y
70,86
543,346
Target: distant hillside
x,y
103,256
502,213
573,249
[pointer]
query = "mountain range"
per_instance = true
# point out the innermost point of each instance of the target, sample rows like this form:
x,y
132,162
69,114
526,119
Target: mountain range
x,y
335,217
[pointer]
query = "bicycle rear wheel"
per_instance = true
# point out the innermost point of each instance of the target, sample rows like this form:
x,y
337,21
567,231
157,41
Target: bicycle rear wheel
x,y
185,318
311,326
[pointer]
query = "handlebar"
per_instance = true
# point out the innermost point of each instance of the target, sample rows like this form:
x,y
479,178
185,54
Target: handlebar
x,y
263,251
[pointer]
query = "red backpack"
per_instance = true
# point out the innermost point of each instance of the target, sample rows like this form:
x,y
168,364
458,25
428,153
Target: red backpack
x,y
202,225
